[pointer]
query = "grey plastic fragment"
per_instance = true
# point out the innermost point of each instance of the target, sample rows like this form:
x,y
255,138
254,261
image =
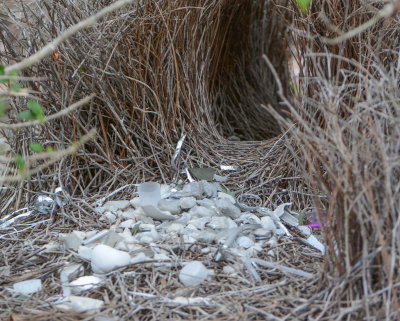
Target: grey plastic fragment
x,y
253,262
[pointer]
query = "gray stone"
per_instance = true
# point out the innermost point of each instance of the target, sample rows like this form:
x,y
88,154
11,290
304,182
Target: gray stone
x,y
267,223
156,214
221,222
129,213
109,217
206,202
209,190
187,203
244,242
230,198
135,202
199,222
170,205
194,189
201,211
227,208
260,232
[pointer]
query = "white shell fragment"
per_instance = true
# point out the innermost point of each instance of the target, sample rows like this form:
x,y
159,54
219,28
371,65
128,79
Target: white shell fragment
x,y
155,213
80,304
85,283
28,287
193,274
106,259
313,241
281,209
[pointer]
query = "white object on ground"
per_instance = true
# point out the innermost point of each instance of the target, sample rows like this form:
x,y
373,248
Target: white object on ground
x,y
227,208
106,259
80,304
244,242
170,205
187,203
85,283
267,223
313,241
193,273
281,209
155,213
28,287
149,193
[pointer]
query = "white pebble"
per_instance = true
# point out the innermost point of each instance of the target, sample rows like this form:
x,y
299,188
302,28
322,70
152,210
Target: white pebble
x,y
202,211
260,232
193,274
85,283
221,222
129,213
227,269
199,222
187,203
135,202
127,224
85,252
227,208
175,228
28,286
110,217
80,304
171,206
267,223
228,197
244,242
272,242
106,259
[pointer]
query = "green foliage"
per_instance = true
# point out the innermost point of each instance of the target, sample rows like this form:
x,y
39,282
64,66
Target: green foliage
x,y
36,147
304,5
35,112
3,107
19,160
2,73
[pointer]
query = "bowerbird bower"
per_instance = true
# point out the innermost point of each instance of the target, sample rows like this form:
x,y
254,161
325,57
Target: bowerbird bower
x,y
326,139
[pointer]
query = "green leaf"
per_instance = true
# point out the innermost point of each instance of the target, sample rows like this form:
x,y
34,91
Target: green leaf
x,y
82,68
49,149
27,115
41,118
203,173
35,107
3,107
302,216
36,147
2,70
304,5
13,73
19,160
16,87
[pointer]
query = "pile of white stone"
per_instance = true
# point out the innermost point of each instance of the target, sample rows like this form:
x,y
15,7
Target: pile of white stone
x,y
198,213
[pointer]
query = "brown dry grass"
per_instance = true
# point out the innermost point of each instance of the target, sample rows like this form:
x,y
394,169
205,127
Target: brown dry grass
x,y
166,68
